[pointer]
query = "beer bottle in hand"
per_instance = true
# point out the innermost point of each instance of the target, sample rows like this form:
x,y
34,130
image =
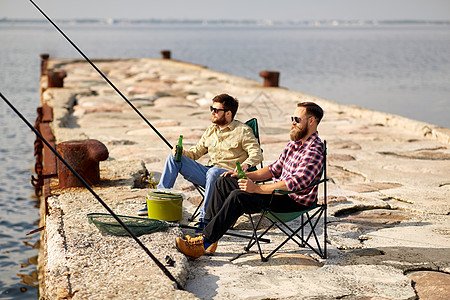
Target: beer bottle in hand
x,y
179,149
241,174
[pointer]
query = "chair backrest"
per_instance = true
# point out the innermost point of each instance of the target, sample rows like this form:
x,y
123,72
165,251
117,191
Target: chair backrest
x,y
253,124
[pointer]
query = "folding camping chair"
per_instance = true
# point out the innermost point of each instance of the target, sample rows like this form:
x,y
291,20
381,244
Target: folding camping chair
x,y
253,124
309,219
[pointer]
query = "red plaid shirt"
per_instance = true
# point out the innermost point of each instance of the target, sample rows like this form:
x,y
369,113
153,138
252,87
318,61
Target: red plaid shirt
x,y
299,165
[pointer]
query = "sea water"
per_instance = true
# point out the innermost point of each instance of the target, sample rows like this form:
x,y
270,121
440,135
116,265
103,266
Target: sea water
x,y
400,69
19,78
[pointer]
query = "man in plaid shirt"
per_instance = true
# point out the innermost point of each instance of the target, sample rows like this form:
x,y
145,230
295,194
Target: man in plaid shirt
x,y
298,166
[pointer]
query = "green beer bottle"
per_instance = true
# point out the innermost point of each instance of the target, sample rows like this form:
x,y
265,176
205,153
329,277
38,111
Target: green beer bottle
x,y
241,174
179,149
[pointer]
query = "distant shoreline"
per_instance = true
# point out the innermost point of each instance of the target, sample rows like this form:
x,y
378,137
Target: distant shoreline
x,y
249,22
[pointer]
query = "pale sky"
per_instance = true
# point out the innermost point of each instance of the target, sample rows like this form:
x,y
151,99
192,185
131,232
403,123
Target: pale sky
x,y
231,9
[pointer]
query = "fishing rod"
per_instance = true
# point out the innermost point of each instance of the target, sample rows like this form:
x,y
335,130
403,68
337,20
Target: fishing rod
x,y
158,263
101,74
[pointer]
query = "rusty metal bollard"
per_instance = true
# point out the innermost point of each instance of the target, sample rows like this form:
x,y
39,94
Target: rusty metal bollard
x,y
165,54
44,62
84,157
56,78
271,78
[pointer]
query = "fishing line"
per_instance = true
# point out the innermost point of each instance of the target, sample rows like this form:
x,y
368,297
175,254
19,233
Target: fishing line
x,y
101,74
158,263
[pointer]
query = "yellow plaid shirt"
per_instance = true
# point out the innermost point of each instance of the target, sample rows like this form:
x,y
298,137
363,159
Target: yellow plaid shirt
x,y
226,146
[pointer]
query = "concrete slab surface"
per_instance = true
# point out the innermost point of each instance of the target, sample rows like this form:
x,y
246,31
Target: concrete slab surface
x,y
389,202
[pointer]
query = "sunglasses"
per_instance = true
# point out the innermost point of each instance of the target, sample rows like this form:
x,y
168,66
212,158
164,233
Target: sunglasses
x,y
298,120
216,110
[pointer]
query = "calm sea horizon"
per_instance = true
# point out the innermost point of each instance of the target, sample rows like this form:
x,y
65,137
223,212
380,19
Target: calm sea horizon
x,y
399,69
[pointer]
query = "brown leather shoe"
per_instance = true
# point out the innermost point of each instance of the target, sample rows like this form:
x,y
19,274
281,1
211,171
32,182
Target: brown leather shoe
x,y
210,250
193,248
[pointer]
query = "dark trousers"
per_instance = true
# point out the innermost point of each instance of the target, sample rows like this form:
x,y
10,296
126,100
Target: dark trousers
x,y
228,203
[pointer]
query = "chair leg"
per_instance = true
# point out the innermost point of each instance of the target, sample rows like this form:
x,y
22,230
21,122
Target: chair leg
x,y
290,235
255,238
319,214
297,236
197,212
293,234
252,241
303,232
260,238
325,233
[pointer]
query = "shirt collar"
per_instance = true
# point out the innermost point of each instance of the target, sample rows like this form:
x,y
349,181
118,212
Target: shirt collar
x,y
312,138
299,144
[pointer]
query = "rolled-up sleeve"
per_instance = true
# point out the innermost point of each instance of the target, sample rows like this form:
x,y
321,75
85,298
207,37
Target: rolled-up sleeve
x,y
200,149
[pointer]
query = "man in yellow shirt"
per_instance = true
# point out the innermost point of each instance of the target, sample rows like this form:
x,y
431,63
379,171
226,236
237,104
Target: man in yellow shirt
x,y
226,141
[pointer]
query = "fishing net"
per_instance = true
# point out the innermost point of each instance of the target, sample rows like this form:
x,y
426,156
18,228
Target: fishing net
x,y
108,225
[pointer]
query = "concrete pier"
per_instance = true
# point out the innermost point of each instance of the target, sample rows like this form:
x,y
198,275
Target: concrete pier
x,y
388,217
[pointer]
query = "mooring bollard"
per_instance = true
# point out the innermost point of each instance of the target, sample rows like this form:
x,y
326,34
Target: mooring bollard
x,y
271,78
55,78
165,54
84,157
44,62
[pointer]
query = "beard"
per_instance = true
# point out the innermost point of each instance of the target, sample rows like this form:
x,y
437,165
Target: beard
x,y
298,133
220,121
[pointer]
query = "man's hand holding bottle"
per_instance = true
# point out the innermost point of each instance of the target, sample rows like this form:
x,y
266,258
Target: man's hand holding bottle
x,y
234,173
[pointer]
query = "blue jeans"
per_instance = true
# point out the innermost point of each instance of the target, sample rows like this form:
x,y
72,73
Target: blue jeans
x,y
193,172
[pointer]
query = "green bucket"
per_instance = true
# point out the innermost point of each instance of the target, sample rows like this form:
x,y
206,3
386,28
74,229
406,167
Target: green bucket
x,y
164,206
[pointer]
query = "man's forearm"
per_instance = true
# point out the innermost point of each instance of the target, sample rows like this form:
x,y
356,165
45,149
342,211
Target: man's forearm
x,y
269,188
250,187
260,175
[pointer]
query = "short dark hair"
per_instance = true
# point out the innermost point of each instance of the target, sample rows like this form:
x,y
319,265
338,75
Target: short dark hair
x,y
312,109
228,102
